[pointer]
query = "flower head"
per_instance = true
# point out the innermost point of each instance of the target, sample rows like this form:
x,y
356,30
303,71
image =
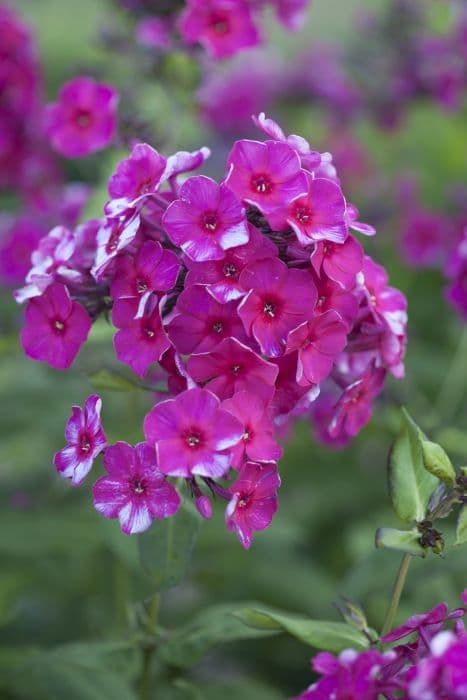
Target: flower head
x,y
85,438
267,175
84,119
192,434
56,327
206,221
134,490
254,500
135,178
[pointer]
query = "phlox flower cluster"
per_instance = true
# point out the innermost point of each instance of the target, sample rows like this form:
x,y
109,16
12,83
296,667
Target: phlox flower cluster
x,y
429,663
378,78
255,299
222,27
31,135
431,239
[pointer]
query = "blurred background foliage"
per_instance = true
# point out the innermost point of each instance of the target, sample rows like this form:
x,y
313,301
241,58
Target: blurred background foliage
x,y
66,574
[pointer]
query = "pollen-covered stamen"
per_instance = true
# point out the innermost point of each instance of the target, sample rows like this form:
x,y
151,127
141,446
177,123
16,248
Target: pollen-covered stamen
x,y
148,332
138,486
217,326
59,325
236,369
210,221
193,440
269,309
303,214
84,443
261,184
230,270
141,286
321,301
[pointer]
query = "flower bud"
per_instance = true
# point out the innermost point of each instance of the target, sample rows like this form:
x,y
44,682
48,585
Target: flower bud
x,y
204,507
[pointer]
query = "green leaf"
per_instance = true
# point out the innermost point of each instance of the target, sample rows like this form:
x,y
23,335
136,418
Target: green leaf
x,y
400,540
215,625
437,462
461,529
320,634
105,380
410,484
165,549
82,671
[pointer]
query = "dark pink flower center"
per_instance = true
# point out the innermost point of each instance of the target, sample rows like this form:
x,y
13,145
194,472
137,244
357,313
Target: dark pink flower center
x,y
244,500
236,369
149,332
230,270
261,184
321,301
302,213
210,221
217,326
138,485
83,118
58,325
84,443
219,22
141,286
193,438
248,434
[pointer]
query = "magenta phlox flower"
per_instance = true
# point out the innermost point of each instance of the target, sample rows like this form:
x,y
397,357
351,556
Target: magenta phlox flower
x,y
200,322
426,625
267,175
114,235
318,341
207,220
290,398
351,217
19,237
192,434
183,162
84,119
85,238
223,27
134,490
141,340
222,277
319,215
321,414
383,300
341,262
425,237
153,269
55,328
350,676
278,300
354,408
135,179
257,443
332,296
86,440
254,501
443,675
232,367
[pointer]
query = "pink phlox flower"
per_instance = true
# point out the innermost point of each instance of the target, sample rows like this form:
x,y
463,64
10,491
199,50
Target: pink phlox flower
x,y
192,434
321,413
257,443
135,178
319,215
232,367
385,301
86,439
55,328
354,407
153,269
426,625
141,340
267,175
223,27
254,501
85,236
318,341
278,300
183,162
332,296
339,261
114,235
51,261
290,398
200,322
443,674
206,220
19,237
84,119
134,490
425,237
222,277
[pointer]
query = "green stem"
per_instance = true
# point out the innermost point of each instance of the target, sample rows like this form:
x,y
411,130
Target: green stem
x,y
148,650
396,594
